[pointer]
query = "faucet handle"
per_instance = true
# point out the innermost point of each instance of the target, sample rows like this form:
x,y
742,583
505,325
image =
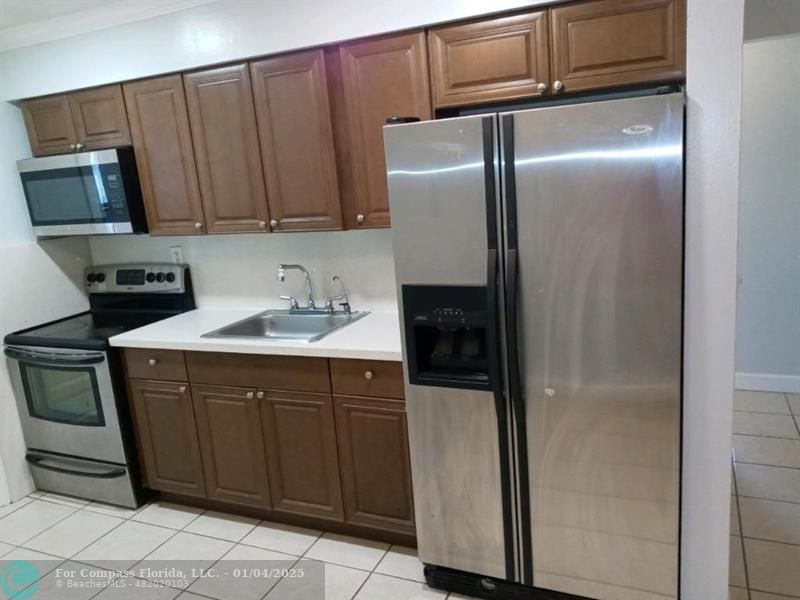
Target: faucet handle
x,y
292,302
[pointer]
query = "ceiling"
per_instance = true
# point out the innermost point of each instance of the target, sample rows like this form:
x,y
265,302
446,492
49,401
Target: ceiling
x,y
22,12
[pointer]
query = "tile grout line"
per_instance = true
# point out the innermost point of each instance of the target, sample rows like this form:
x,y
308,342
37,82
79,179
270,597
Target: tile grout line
x,y
758,464
48,527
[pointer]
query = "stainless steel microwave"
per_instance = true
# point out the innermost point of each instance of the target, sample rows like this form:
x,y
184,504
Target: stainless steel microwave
x,y
83,193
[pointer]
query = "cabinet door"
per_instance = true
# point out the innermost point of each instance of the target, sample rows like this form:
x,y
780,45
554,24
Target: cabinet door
x,y
373,454
607,43
231,444
100,118
49,125
301,453
294,126
496,59
223,125
381,78
167,436
162,142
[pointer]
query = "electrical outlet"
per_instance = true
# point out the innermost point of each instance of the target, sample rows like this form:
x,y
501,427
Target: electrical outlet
x,y
177,254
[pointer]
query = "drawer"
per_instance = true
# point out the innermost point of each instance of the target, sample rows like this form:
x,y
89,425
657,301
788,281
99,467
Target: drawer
x,y
301,373
382,379
144,363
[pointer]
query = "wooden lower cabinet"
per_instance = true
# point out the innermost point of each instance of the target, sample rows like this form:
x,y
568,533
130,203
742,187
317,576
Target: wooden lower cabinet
x,y
299,433
167,436
376,471
231,444
323,459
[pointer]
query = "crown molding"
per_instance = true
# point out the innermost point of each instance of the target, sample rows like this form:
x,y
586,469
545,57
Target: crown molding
x,y
100,17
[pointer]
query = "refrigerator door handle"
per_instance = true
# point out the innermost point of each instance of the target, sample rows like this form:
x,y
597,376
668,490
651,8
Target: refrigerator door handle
x,y
515,380
493,339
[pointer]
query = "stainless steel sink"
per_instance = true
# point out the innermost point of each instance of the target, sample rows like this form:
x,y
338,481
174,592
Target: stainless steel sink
x,y
297,325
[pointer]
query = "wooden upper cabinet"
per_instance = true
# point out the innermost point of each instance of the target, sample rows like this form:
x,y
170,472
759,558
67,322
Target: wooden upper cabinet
x,y
381,78
225,139
167,436
300,438
294,126
231,444
608,43
49,124
491,60
162,142
100,118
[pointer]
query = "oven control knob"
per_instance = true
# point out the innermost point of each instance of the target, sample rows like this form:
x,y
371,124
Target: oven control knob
x,y
100,278
160,278
170,277
150,277
91,277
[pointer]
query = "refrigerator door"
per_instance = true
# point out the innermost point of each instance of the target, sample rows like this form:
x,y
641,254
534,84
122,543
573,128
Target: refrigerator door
x,y
594,208
442,191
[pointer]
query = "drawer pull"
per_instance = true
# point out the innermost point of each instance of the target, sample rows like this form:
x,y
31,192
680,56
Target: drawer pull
x,y
260,395
182,389
368,375
250,395
152,362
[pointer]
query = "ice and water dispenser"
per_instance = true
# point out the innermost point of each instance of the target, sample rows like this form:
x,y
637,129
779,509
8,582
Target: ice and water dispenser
x,y
446,335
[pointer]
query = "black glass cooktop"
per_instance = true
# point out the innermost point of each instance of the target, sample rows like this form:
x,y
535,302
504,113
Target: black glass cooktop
x,y
87,330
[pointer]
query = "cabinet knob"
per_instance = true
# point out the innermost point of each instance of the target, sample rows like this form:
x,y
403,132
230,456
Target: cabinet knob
x,y
262,224
368,375
152,362
198,225
557,86
250,395
360,219
541,87
78,146
260,395
73,146
182,389
273,223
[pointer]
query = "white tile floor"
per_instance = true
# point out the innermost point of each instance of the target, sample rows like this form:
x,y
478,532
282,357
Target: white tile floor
x,y
55,532
765,506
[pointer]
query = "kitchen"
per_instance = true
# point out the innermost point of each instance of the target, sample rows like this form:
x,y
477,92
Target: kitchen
x,y
240,163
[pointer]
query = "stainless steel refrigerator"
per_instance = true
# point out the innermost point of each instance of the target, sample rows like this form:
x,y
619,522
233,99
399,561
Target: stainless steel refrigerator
x,y
539,262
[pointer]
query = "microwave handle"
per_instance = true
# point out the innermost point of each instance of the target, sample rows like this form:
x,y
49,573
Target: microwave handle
x,y
45,462
51,358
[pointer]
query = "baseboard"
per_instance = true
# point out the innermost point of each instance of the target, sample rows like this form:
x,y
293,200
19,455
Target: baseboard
x,y
767,382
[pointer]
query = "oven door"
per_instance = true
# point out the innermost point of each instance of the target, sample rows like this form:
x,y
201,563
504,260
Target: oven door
x,y
66,401
76,194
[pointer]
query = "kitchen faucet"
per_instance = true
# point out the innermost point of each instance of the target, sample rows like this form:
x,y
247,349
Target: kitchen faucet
x,y
282,277
343,296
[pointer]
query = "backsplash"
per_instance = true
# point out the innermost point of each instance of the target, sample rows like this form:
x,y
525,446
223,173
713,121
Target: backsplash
x,y
239,270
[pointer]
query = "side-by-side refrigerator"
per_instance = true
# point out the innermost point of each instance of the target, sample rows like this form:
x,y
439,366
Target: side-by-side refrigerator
x,y
539,262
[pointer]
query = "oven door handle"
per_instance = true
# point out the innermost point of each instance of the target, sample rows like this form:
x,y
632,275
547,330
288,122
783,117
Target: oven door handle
x,y
51,358
37,460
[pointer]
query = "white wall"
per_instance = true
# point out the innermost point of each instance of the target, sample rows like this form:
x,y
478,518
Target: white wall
x,y
239,270
713,81
769,18
768,313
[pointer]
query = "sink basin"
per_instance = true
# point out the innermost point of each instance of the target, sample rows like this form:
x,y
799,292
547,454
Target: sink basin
x,y
297,325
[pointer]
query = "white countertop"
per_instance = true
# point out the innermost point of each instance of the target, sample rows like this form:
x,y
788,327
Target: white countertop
x,y
375,336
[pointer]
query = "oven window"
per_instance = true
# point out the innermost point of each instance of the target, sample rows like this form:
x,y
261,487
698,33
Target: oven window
x,y
62,394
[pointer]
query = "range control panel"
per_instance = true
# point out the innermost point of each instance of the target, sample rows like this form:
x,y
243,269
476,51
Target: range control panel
x,y
136,277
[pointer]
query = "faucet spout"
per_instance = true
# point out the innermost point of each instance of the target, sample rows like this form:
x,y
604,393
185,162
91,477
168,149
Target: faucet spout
x,y
281,276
